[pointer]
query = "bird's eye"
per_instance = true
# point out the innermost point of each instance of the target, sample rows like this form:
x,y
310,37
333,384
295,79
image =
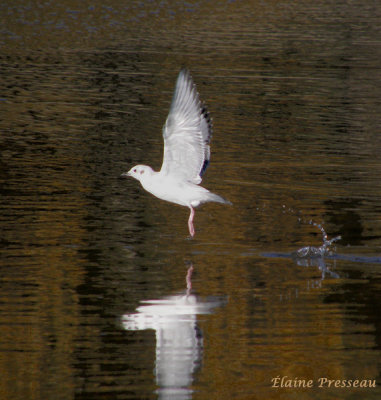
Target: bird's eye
x,y
135,170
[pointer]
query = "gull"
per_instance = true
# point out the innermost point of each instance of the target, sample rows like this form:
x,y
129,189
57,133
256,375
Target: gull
x,y
187,133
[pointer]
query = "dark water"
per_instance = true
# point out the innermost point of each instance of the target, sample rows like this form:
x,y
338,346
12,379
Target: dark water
x,y
93,291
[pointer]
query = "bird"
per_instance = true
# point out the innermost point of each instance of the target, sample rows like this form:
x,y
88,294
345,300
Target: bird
x,y
187,134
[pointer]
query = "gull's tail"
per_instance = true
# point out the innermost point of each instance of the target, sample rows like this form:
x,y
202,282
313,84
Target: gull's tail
x,y
217,199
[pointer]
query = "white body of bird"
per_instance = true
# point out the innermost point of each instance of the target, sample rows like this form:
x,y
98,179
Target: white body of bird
x,y
187,133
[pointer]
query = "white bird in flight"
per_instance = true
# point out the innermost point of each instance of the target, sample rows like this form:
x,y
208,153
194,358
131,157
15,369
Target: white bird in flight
x,y
187,133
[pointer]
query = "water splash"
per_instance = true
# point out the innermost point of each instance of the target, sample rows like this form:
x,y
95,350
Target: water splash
x,y
315,256
311,251
316,252
311,256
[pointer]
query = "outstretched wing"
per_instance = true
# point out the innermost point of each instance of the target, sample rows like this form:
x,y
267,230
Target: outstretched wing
x,y
187,133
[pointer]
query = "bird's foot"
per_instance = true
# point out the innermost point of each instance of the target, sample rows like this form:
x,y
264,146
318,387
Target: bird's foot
x,y
191,228
190,223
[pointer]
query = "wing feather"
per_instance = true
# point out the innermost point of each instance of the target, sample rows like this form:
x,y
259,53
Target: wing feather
x,y
187,133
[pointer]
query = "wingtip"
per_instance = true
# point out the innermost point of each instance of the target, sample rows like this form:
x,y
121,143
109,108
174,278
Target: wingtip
x,y
184,70
185,75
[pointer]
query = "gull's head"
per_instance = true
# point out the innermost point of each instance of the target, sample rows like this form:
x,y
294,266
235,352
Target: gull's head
x,y
139,172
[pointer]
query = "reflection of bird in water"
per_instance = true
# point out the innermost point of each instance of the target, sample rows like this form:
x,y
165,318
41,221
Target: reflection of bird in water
x,y
188,279
187,133
179,340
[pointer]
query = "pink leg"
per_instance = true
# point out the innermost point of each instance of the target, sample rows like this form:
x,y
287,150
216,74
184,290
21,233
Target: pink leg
x,y
190,221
